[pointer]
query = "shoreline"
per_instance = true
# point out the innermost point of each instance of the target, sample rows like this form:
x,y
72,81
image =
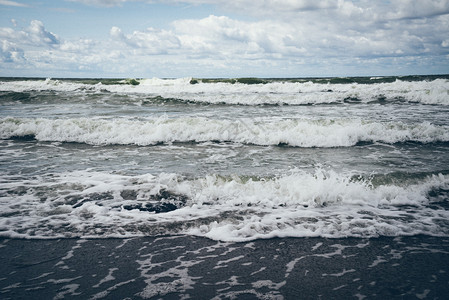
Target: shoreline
x,y
175,267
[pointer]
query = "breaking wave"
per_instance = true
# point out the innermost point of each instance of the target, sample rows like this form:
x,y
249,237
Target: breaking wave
x,y
234,208
296,133
435,92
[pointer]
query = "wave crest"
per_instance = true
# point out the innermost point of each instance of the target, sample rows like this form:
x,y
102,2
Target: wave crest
x,y
296,133
274,93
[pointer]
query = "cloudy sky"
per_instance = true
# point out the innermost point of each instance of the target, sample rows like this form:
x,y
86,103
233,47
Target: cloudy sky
x,y
223,38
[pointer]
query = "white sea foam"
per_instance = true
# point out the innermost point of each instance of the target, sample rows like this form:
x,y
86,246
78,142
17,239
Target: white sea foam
x,y
43,85
185,81
293,132
321,203
292,93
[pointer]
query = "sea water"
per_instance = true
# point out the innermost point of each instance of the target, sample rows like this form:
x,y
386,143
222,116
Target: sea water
x,y
230,160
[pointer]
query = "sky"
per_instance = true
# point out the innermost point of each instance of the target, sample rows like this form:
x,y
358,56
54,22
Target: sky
x,y
223,38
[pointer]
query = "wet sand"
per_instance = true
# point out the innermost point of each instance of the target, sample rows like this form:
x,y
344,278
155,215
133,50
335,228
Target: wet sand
x,y
180,267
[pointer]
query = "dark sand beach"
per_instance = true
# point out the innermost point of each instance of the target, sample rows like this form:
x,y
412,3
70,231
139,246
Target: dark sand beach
x,y
181,267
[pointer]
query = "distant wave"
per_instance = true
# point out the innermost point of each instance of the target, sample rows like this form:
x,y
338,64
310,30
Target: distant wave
x,y
296,133
273,92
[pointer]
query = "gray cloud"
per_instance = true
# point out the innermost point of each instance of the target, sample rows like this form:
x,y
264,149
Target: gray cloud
x,y
410,9
292,37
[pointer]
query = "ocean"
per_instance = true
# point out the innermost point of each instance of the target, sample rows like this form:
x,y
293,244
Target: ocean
x,y
224,188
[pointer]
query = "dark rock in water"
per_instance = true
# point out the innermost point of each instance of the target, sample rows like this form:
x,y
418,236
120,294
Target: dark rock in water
x,y
162,202
157,208
128,194
282,144
166,195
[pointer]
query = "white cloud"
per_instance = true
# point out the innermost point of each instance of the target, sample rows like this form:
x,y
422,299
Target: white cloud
x,y
291,37
9,34
226,36
215,36
35,47
296,27
80,45
35,35
153,41
11,53
38,34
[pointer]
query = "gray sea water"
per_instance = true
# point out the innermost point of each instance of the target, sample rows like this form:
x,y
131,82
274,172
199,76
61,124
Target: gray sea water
x,y
231,160
225,188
